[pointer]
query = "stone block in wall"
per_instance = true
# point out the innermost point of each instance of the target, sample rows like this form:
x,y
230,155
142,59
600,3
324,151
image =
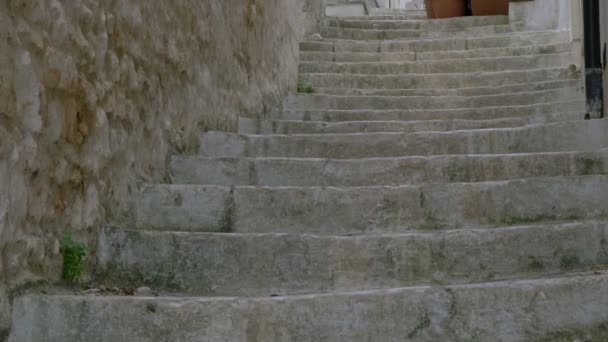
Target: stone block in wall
x,y
5,312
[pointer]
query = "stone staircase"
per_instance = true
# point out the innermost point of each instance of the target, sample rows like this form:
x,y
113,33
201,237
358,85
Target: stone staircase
x,y
440,184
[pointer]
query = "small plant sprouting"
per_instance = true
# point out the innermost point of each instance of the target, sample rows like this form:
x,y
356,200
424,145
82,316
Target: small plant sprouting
x,y
73,254
304,87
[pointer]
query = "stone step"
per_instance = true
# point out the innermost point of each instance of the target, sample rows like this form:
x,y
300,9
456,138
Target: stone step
x,y
285,264
546,112
383,171
357,34
353,210
340,33
322,101
290,127
455,24
397,11
496,52
518,39
447,66
337,8
330,56
252,126
564,308
563,136
476,91
369,24
391,17
440,81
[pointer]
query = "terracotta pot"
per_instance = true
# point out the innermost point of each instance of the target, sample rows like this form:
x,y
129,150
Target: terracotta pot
x,y
449,8
429,9
490,7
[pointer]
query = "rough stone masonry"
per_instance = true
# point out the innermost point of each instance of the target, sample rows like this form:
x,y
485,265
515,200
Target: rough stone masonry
x,y
95,95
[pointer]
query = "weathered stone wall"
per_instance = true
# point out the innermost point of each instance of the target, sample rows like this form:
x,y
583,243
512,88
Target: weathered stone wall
x,y
604,22
95,95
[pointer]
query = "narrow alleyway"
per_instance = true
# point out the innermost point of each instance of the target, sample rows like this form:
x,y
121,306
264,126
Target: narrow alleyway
x,y
438,184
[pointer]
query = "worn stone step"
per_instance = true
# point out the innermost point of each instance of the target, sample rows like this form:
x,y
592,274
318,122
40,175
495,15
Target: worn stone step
x,y
551,309
316,46
358,34
397,11
546,112
455,24
252,126
347,210
322,101
288,127
330,56
384,171
474,91
340,33
283,264
390,17
381,24
429,44
494,52
563,136
439,81
448,66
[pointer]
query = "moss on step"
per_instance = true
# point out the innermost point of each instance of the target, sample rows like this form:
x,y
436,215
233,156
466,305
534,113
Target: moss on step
x,y
569,262
423,323
226,223
589,166
597,333
534,264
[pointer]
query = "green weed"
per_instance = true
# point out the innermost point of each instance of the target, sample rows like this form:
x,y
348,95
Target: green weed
x,y
304,87
73,254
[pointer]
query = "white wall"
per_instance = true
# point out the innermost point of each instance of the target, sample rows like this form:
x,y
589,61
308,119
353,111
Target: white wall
x,y
577,32
541,14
